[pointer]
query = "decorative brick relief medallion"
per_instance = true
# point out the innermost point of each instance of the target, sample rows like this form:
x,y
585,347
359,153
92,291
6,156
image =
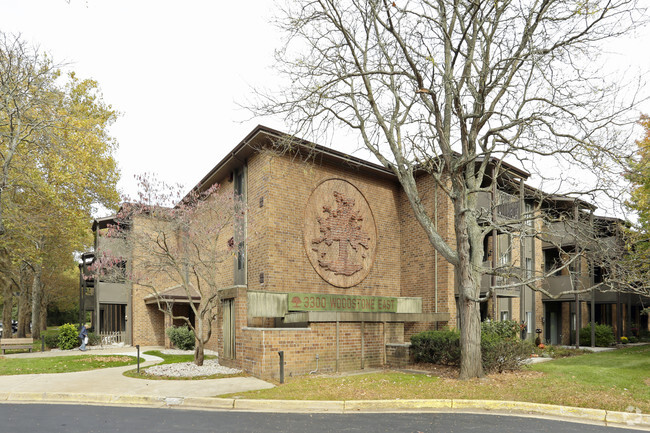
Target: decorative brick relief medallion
x,y
340,233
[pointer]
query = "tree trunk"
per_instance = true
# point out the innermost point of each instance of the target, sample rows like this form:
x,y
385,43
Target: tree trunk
x,y
471,363
23,313
8,297
43,318
199,342
468,283
37,294
199,354
7,293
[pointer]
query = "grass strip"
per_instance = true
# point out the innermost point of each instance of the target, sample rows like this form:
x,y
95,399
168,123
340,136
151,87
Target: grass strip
x,y
62,364
618,380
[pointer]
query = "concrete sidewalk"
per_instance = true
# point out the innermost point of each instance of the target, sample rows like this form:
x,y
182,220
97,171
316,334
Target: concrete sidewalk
x,y
109,387
111,381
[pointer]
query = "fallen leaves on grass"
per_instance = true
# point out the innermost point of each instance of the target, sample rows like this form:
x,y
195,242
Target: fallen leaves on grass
x,y
99,358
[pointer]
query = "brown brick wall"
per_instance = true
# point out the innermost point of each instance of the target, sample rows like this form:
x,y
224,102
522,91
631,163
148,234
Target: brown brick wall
x,y
286,185
258,349
418,277
398,355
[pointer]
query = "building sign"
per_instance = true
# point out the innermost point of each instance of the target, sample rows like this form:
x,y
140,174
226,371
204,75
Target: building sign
x,y
343,303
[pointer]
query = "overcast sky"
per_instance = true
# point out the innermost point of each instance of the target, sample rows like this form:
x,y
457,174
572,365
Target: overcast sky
x,y
176,70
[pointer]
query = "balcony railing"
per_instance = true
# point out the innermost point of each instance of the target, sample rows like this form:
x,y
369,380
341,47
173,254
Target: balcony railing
x,y
507,206
562,283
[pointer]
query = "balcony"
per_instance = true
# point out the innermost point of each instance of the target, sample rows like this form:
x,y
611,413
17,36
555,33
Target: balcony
x,y
562,283
507,207
514,291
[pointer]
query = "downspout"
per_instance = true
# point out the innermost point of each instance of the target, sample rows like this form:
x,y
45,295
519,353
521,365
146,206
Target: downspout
x,y
522,256
315,371
577,278
337,341
495,245
435,253
593,291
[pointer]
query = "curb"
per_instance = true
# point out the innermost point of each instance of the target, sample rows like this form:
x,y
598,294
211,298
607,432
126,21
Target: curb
x,y
575,414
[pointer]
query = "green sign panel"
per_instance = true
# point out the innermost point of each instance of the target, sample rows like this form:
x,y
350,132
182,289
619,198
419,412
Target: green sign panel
x,y
323,302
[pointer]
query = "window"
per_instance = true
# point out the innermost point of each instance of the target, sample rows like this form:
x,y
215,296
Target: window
x,y
505,249
529,214
505,315
529,322
529,268
239,239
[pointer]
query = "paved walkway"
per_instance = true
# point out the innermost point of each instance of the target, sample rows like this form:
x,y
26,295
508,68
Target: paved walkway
x,y
111,381
109,387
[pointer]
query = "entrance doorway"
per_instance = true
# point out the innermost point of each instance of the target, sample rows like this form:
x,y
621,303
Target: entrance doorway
x,y
553,322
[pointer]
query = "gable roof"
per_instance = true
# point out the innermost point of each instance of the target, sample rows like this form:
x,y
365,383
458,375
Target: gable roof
x,y
176,294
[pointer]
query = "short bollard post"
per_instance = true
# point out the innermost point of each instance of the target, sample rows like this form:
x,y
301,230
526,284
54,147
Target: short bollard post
x,y
138,347
42,343
281,353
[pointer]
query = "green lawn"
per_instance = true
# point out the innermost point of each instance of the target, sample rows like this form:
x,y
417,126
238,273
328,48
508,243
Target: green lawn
x,y
62,364
612,380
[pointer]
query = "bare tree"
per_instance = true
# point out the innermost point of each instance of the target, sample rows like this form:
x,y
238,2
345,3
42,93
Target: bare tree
x,y
175,241
450,90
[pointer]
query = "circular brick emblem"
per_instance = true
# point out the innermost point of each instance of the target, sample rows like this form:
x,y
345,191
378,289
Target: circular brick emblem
x,y
340,233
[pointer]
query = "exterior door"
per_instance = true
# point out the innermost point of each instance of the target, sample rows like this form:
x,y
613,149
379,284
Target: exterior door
x,y
554,328
228,328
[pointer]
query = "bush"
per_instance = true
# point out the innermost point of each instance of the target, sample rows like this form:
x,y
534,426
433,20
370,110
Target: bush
x,y
644,335
68,337
633,339
51,339
437,347
501,348
564,352
604,336
507,329
94,339
181,337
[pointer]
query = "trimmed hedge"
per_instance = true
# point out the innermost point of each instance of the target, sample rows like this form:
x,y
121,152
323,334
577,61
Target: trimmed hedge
x,y
437,347
604,336
501,348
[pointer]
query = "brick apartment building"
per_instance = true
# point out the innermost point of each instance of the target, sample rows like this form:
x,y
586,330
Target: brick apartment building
x,y
336,272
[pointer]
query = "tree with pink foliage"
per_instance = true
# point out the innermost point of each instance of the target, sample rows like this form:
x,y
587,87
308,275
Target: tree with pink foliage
x,y
178,241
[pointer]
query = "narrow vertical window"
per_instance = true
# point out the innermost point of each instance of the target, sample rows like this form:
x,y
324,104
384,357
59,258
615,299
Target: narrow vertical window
x,y
240,225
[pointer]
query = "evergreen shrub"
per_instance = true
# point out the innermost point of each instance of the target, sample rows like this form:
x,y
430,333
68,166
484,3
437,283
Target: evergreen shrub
x,y
68,336
181,337
604,336
437,347
501,348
